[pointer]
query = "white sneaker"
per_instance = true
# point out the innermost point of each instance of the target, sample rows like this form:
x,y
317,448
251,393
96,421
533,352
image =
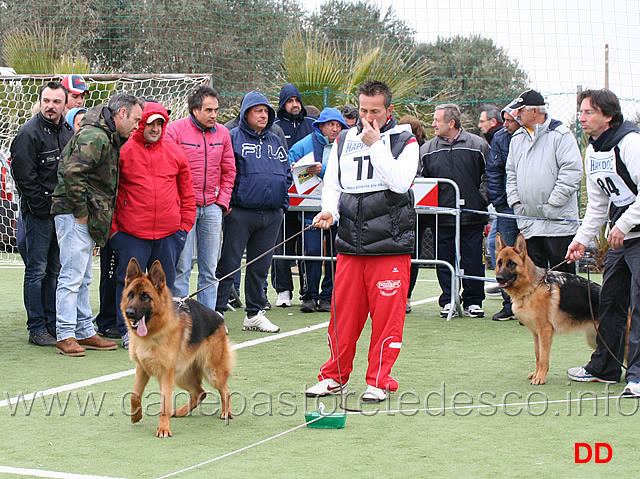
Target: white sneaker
x,y
259,322
632,390
284,299
474,311
445,311
374,394
326,387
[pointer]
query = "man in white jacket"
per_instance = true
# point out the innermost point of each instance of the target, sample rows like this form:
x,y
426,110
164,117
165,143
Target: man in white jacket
x,y
612,165
544,171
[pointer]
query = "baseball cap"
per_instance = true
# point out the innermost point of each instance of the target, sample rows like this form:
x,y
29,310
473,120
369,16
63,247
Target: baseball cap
x,y
527,98
508,109
154,117
74,84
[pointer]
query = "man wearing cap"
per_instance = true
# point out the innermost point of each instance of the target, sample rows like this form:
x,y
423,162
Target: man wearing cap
x,y
156,206
544,171
76,90
317,145
496,181
83,203
258,202
35,153
292,117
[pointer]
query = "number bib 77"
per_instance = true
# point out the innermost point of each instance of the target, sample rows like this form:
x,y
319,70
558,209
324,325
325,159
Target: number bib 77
x,y
601,168
357,174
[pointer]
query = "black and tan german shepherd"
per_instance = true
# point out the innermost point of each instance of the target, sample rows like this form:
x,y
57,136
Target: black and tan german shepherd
x,y
179,343
546,302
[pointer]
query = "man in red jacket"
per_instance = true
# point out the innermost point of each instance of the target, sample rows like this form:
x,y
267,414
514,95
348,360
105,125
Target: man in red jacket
x,y
156,205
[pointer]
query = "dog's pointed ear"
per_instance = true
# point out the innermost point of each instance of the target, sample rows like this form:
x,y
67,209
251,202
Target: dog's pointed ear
x,y
499,243
133,271
157,276
521,245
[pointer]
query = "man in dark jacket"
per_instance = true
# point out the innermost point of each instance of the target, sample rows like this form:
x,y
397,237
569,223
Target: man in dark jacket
x,y
258,202
490,121
296,124
35,153
367,187
459,156
496,186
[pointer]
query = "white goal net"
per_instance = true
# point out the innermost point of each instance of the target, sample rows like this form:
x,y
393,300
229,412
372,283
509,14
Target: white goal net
x,y
19,99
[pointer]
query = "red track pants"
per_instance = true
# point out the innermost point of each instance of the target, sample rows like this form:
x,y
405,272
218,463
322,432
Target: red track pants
x,y
375,285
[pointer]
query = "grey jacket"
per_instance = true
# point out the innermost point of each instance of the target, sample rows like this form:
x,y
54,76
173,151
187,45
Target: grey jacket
x,y
543,174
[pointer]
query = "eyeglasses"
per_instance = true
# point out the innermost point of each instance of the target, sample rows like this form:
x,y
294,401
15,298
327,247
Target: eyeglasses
x,y
588,112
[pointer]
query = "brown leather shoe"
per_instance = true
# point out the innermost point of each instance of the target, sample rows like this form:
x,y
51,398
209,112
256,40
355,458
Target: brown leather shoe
x,y
69,347
97,343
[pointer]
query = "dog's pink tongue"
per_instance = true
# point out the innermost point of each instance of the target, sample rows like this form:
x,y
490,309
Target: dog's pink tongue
x,y
142,327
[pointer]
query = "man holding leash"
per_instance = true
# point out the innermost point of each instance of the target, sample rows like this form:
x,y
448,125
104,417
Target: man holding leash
x,y
612,166
367,186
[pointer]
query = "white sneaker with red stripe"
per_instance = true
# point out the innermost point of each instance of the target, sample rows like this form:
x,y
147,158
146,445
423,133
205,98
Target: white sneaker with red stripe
x,y
326,387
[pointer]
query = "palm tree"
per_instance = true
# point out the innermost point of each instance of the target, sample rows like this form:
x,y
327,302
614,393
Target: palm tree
x,y
326,76
42,50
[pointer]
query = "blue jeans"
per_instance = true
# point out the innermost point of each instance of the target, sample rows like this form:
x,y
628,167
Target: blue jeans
x,y
74,317
166,250
207,232
40,273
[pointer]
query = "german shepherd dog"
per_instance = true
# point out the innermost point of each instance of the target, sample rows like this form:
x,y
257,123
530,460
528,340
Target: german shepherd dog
x,y
546,302
175,342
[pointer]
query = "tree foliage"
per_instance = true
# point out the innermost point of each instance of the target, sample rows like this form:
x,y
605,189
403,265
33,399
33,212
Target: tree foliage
x,y
346,22
474,69
316,66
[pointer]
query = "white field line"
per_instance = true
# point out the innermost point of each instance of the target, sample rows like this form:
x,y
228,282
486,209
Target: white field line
x,y
131,372
40,473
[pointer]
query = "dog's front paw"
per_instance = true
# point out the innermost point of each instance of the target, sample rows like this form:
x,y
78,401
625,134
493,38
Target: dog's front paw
x,y
136,410
538,380
163,432
226,416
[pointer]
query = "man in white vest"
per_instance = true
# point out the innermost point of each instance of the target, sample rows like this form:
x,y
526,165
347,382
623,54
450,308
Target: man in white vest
x,y
612,166
367,186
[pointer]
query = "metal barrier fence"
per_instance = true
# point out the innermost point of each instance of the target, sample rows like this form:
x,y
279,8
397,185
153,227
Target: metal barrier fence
x,y
426,201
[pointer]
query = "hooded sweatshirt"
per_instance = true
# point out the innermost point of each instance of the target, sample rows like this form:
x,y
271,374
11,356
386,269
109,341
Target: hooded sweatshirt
x,y
263,175
155,193
295,127
316,141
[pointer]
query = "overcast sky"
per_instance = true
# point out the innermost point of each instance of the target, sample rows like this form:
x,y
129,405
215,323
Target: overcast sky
x,y
559,43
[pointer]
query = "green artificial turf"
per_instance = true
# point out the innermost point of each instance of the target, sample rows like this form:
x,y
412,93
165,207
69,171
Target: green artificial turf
x,y
464,409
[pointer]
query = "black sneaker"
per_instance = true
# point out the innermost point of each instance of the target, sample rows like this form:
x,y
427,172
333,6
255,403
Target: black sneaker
x,y
324,306
110,333
308,306
503,315
42,338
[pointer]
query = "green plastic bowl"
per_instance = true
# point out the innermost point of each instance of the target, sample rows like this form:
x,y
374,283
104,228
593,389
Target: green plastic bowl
x,y
326,421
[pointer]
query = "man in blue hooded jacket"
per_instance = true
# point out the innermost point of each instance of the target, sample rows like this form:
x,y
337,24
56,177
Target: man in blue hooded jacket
x,y
258,203
292,117
319,144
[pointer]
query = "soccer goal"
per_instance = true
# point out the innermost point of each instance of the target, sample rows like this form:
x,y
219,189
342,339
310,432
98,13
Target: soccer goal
x,y
19,102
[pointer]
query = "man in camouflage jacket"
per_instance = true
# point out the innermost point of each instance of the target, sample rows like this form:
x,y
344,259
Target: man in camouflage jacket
x,y
83,205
